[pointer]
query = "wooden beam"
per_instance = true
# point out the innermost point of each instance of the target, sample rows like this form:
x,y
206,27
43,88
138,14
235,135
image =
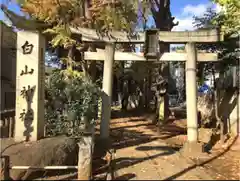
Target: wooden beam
x,y
43,168
200,36
128,56
85,158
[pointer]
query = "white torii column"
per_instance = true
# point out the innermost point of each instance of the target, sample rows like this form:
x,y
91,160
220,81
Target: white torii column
x,y
191,93
107,90
29,124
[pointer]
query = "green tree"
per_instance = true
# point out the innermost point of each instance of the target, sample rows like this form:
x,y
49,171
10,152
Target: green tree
x,y
70,104
227,51
164,21
103,15
229,17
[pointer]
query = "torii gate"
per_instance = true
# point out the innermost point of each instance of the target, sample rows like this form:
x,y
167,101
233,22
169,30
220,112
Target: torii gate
x,y
190,38
30,80
34,60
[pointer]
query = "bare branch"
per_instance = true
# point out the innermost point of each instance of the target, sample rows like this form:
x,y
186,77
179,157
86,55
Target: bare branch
x,y
153,8
157,3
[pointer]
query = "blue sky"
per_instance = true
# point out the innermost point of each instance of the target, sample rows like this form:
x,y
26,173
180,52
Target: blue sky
x,y
183,10
12,6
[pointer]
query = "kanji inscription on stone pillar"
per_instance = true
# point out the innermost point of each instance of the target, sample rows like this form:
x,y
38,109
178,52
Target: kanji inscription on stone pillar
x,y
29,124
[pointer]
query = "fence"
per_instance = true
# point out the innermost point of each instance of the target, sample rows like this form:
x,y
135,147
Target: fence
x,y
7,123
5,169
83,167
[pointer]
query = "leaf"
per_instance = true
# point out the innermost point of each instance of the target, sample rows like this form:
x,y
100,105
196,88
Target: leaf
x,y
51,31
77,96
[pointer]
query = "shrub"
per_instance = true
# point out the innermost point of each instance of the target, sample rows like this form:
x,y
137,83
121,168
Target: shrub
x,y
70,97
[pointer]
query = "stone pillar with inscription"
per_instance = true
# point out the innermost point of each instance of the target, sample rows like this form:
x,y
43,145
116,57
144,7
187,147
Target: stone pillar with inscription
x,y
29,124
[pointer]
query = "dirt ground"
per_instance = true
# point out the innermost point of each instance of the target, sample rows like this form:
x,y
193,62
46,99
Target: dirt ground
x,y
226,166
131,130
143,153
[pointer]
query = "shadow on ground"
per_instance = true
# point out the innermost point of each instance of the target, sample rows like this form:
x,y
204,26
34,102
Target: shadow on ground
x,y
124,162
133,129
200,164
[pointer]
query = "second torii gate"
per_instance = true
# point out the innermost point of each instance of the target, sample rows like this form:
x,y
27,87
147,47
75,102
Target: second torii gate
x,y
190,38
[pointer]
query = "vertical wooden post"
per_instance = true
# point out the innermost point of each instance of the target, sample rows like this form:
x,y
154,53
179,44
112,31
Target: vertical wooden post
x,y
191,93
45,131
85,158
7,126
5,168
10,127
107,90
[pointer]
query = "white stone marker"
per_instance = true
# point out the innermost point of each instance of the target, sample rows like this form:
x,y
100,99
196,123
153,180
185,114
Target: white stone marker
x,y
30,77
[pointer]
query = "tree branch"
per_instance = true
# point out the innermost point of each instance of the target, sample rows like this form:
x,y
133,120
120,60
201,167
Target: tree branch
x,y
144,19
153,9
157,3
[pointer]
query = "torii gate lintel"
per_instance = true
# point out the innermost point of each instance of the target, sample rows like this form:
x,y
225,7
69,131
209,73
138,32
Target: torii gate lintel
x,y
191,57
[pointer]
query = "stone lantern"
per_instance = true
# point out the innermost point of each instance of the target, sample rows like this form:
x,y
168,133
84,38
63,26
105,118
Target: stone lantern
x,y
152,48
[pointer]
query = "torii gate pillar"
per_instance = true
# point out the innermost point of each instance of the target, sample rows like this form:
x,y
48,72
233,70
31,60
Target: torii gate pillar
x,y
191,93
107,90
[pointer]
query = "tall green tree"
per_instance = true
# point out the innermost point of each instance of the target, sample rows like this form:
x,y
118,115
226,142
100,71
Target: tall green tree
x,y
227,50
161,12
229,17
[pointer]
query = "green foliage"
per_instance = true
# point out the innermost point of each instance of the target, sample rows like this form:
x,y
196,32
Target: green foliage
x,y
69,97
115,17
62,36
229,17
101,15
227,50
206,21
60,15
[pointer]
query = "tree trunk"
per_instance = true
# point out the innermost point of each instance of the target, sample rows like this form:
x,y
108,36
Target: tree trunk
x,y
92,69
71,57
216,107
125,93
164,22
120,85
93,66
149,85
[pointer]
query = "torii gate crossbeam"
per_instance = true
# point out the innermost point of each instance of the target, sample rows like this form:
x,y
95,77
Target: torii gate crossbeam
x,y
191,57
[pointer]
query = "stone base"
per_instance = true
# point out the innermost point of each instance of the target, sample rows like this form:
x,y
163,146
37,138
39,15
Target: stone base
x,y
59,150
193,150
